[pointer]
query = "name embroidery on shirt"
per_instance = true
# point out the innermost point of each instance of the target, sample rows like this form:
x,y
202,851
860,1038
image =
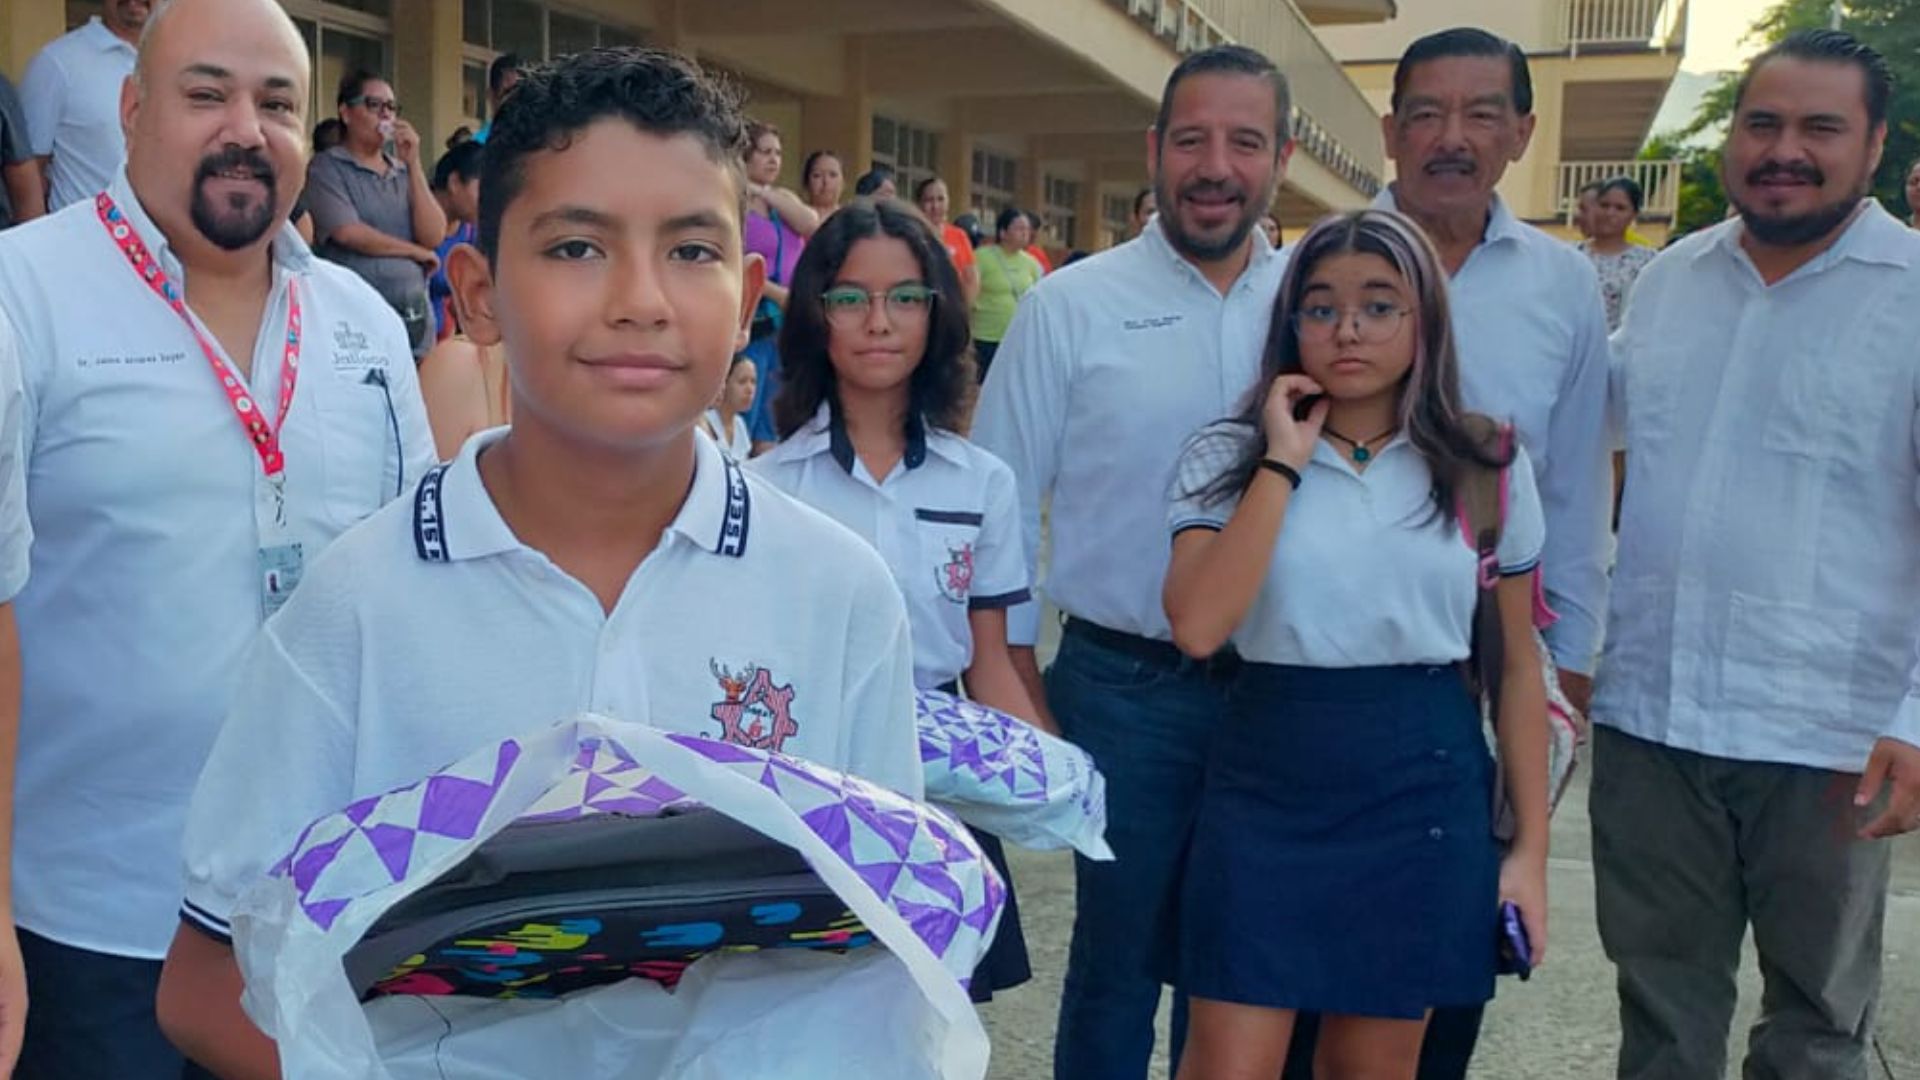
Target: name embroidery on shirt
x,y
1158,322
429,518
733,529
754,711
955,577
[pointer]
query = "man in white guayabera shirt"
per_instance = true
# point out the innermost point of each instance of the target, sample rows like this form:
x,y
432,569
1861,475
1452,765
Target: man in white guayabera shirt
x,y
194,436
1766,605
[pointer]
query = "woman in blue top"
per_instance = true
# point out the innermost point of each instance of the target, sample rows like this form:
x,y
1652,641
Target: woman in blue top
x,y
1343,859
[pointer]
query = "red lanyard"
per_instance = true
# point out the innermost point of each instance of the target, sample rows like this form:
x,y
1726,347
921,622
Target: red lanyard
x,y
265,438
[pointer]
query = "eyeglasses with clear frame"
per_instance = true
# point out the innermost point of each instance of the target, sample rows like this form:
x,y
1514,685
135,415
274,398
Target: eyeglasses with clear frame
x,y
1375,321
848,306
376,105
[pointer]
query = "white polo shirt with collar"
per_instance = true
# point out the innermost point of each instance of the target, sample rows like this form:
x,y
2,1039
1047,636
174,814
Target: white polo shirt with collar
x,y
1366,572
146,573
946,520
71,94
1766,602
1531,329
1109,366
431,630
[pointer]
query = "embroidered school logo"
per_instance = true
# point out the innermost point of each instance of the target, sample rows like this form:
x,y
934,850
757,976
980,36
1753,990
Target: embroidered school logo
x,y
755,712
955,578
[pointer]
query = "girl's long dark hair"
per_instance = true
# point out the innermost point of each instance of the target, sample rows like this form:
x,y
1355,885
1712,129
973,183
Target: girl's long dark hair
x,y
942,388
1452,440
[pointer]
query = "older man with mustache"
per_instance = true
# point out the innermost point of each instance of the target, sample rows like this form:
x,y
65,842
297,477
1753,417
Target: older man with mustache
x,y
208,406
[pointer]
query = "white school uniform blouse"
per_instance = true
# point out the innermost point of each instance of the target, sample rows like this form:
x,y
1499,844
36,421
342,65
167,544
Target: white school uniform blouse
x,y
1109,365
1531,328
946,520
146,578
1364,573
71,96
739,445
1766,603
432,630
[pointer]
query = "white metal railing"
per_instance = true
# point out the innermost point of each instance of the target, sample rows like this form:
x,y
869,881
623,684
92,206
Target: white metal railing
x,y
1658,24
1659,181
1332,118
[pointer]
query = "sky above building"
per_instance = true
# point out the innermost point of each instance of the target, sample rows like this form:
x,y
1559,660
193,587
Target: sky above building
x,y
1716,35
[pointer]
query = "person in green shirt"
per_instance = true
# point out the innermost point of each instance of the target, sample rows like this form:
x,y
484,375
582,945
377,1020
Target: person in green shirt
x,y
1006,273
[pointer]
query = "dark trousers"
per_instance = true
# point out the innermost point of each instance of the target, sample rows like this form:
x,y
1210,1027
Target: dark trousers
x,y
1689,851
1148,726
1445,1055
91,1018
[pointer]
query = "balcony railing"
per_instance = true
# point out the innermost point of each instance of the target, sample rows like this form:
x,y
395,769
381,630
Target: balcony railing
x,y
1643,24
1331,118
1659,181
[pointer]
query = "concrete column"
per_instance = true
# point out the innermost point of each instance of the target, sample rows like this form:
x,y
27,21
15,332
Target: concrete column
x,y
1540,169
25,26
1093,232
666,31
426,52
842,123
1029,187
956,167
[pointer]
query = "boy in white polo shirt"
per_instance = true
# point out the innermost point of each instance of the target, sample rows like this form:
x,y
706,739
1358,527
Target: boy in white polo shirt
x,y
570,563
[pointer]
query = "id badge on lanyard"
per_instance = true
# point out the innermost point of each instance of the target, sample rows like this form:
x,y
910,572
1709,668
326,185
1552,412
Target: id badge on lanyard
x,y
281,559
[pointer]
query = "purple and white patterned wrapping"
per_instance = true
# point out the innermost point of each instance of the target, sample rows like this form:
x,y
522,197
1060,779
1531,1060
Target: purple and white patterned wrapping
x,y
912,876
1009,778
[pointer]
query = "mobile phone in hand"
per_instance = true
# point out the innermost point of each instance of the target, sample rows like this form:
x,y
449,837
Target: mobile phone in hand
x,y
1305,405
1516,952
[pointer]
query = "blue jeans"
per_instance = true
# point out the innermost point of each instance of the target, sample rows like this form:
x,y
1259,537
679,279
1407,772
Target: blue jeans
x,y
91,1018
1148,727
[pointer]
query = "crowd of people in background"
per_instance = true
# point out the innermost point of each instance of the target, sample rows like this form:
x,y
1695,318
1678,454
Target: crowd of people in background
x,y
1288,493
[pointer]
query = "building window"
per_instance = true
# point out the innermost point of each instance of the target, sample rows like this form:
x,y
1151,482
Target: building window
x,y
533,30
1062,212
913,153
994,178
473,89
1116,218
343,38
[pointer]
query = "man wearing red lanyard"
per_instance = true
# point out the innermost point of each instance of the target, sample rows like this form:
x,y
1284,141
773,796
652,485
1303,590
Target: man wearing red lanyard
x,y
207,406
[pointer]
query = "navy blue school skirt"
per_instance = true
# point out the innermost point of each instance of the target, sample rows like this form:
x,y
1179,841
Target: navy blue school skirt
x,y
1343,858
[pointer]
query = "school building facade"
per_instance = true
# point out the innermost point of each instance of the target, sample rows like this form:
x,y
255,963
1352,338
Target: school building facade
x,y
1037,103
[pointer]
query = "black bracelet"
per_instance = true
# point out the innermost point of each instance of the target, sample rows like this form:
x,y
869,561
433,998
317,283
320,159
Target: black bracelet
x,y
1284,469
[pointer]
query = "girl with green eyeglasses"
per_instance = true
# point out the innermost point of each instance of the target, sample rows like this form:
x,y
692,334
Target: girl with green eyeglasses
x,y
876,382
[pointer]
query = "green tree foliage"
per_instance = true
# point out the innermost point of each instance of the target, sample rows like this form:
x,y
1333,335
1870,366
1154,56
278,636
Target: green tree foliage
x,y
1703,201
1891,26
